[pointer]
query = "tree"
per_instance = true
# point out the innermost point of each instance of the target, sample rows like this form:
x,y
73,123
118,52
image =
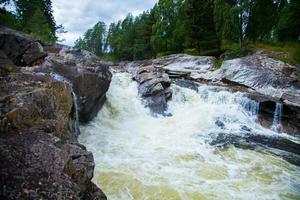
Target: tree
x,y
93,39
262,19
200,26
288,28
36,18
142,45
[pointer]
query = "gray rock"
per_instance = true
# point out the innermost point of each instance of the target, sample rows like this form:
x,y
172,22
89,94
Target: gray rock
x,y
39,154
89,77
154,86
33,53
186,63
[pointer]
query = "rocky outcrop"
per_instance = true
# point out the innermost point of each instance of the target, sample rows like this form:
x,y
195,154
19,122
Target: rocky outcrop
x,y
186,63
154,86
40,157
20,48
274,81
89,77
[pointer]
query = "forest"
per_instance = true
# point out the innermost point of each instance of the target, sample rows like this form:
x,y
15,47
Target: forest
x,y
196,27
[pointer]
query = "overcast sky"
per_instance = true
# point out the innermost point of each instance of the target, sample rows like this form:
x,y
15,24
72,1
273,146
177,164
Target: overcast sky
x,y
79,15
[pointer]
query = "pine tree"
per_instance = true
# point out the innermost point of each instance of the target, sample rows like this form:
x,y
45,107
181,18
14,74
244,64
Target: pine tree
x,y
200,26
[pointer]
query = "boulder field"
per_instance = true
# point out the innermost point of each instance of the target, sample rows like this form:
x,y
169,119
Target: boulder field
x,y
45,91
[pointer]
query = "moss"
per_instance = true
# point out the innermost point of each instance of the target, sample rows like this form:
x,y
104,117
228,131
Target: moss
x,y
218,63
192,52
9,69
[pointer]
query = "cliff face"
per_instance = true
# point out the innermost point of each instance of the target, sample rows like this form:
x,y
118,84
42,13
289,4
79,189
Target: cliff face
x,y
39,153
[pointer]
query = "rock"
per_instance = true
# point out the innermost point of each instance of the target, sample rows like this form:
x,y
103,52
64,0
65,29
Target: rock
x,y
40,157
273,80
253,141
186,63
33,100
220,124
154,86
6,65
43,167
33,53
89,77
186,84
264,74
14,44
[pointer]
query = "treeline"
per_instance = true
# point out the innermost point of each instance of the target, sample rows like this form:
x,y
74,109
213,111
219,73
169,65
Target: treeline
x,y
30,16
194,26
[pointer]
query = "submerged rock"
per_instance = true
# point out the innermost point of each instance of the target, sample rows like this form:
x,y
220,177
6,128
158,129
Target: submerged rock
x,y
289,150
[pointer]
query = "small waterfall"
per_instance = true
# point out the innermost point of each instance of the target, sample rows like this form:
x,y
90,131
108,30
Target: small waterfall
x,y
251,106
76,118
276,125
74,99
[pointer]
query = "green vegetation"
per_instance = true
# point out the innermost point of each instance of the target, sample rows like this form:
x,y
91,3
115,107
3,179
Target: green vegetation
x,y
205,27
30,16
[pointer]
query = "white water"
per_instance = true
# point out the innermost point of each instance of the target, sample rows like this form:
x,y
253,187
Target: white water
x,y
276,125
139,156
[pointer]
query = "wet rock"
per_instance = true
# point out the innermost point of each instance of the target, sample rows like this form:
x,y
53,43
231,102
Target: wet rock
x,y
220,124
89,77
186,84
154,86
253,141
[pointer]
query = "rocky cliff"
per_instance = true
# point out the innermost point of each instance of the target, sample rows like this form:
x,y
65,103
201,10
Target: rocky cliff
x,y
45,89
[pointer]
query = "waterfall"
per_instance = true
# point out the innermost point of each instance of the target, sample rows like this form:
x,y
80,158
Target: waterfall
x,y
139,156
75,127
76,120
251,106
276,125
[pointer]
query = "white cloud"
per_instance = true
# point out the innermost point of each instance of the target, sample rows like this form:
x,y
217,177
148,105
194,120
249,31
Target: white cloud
x,y
79,15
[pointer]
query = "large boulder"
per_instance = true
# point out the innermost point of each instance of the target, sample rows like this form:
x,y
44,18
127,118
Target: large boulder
x,y
261,73
40,157
154,86
19,47
274,81
39,154
89,77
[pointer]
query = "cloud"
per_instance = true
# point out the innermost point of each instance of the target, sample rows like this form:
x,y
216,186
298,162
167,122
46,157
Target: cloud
x,y
79,15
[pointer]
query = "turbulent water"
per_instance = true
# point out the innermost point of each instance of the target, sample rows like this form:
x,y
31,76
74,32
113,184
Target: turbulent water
x,y
139,156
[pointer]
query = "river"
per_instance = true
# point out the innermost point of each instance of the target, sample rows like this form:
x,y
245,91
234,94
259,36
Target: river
x,y
140,156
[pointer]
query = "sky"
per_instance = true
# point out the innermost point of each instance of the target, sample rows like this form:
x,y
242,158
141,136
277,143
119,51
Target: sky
x,y
79,15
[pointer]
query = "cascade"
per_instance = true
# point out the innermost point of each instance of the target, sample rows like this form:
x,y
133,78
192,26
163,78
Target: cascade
x,y
139,156
276,125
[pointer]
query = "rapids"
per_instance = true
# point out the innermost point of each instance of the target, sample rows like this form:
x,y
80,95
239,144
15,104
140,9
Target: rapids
x,y
139,156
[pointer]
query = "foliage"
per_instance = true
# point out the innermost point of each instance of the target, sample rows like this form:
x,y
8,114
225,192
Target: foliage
x,y
93,39
30,16
203,27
